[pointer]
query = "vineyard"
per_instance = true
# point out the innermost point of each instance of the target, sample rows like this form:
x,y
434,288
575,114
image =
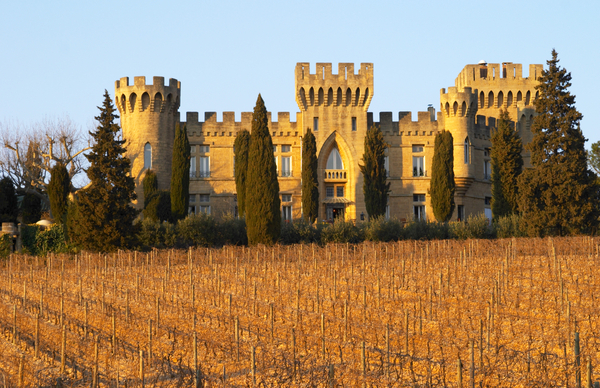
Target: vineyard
x,y
490,313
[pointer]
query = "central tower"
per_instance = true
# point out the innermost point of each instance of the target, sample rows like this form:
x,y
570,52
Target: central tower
x,y
334,107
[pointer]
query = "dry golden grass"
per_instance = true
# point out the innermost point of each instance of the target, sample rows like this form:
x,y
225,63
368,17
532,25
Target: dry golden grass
x,y
316,316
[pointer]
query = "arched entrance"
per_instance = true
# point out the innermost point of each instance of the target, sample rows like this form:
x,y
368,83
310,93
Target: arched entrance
x,y
335,180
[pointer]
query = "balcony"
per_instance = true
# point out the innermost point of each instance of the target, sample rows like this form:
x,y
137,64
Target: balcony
x,y
418,172
335,176
285,173
199,174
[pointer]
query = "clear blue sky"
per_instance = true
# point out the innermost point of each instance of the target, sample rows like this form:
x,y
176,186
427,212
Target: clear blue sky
x,y
58,57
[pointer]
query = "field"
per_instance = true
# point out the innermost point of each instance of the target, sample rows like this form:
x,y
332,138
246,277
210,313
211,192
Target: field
x,y
509,313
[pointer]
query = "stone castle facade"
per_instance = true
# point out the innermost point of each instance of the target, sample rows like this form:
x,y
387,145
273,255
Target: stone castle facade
x,y
335,107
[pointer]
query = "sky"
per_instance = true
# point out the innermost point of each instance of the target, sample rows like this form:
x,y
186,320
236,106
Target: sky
x,y
59,57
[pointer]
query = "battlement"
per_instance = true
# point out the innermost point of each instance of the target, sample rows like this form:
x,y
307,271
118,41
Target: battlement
x,y
142,97
497,74
324,88
229,127
458,102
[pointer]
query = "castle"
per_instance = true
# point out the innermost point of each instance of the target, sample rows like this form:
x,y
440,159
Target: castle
x,y
335,107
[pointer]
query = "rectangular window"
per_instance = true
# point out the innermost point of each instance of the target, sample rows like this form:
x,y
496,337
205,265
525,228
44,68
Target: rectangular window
x,y
286,166
387,210
339,191
286,197
204,149
205,209
286,213
192,209
315,124
487,170
286,148
419,166
329,191
386,163
460,209
418,197
193,149
488,201
353,124
276,165
417,148
274,148
193,167
204,198
419,212
192,198
204,167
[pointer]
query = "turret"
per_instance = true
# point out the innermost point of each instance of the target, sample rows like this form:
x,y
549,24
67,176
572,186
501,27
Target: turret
x,y
459,109
148,117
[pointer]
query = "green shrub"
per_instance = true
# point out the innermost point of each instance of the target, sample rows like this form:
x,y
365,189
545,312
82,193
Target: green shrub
x,y
197,230
299,231
5,244
28,237
423,230
53,239
476,226
232,231
509,226
380,229
157,206
341,232
154,234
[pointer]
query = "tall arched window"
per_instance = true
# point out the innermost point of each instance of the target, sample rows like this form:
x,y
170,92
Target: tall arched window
x,y
147,156
335,160
467,150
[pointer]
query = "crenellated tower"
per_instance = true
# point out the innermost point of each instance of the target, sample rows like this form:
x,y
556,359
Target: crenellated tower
x,y
459,109
335,107
149,114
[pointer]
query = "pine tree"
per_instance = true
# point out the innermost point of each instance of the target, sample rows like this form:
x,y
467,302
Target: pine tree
x,y
263,213
180,175
8,201
507,165
375,186
557,195
442,184
241,147
310,181
104,212
58,192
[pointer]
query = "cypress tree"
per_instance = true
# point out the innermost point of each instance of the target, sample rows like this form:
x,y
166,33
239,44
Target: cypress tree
x,y
241,147
180,175
150,184
442,184
9,210
507,165
557,195
104,212
31,208
375,186
310,181
58,192
263,213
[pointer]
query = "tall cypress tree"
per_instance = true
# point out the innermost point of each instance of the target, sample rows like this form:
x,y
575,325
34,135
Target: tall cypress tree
x,y
442,184
557,195
375,186
149,184
507,165
180,175
310,181
104,212
263,213
241,147
58,192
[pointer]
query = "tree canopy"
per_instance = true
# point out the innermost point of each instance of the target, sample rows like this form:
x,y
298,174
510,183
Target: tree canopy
x,y
310,181
375,186
557,195
507,165
263,213
104,211
442,186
